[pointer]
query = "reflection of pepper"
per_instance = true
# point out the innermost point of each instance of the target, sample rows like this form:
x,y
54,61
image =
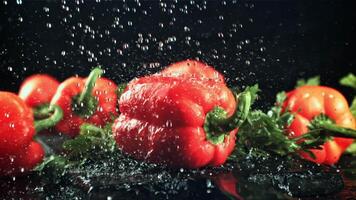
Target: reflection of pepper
x,y
38,90
307,102
179,121
227,183
18,151
92,100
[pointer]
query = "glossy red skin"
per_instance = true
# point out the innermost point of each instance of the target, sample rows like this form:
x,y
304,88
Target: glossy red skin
x,y
17,149
308,102
104,91
162,121
192,69
16,124
38,89
227,183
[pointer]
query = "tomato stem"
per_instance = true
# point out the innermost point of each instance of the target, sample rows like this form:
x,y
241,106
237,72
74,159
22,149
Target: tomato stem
x,y
85,103
324,124
52,120
217,124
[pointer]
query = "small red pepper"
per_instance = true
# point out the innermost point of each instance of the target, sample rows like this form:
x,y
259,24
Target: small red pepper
x,y
308,102
182,121
38,90
91,100
18,152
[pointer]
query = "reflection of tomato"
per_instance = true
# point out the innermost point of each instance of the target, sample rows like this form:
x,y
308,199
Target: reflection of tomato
x,y
23,161
38,89
308,102
227,184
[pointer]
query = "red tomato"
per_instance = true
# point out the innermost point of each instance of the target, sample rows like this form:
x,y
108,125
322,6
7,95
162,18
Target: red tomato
x,y
308,102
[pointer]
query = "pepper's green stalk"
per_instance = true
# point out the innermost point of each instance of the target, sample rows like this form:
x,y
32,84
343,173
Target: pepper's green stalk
x,y
41,111
85,103
90,128
52,120
217,125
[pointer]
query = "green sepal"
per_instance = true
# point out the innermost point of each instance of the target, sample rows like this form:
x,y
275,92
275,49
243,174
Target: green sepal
x,y
349,81
315,80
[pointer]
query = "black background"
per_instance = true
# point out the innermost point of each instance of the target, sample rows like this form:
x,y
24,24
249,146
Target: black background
x,y
272,43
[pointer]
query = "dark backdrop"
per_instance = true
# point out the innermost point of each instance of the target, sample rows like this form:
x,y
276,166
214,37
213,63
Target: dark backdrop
x,y
272,43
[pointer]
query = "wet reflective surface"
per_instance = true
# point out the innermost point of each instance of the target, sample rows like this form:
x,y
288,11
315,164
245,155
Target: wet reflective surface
x,y
123,178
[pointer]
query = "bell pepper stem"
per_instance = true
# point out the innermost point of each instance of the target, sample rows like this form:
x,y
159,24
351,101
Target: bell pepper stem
x,y
85,95
217,124
90,128
41,111
52,120
328,127
85,104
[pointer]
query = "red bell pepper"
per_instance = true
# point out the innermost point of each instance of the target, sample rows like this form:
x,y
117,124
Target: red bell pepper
x,y
38,90
91,100
192,68
180,121
18,151
308,102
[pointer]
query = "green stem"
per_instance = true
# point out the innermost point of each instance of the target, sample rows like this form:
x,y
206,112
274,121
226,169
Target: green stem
x,y
50,121
336,131
47,149
85,104
85,95
217,124
323,124
90,128
41,111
